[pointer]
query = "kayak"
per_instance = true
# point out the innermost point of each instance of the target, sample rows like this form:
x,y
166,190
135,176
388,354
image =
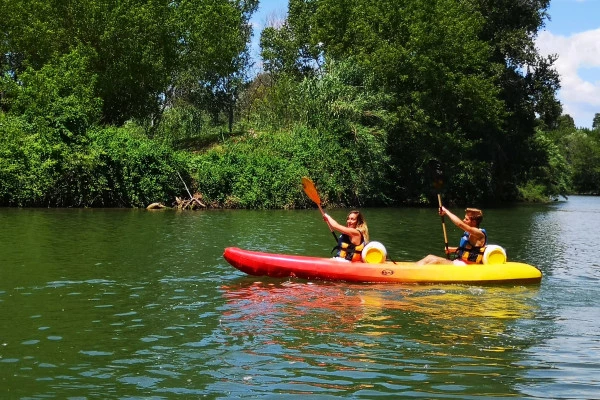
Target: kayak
x,y
330,269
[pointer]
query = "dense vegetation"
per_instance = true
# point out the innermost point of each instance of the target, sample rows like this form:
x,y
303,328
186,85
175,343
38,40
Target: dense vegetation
x,y
106,103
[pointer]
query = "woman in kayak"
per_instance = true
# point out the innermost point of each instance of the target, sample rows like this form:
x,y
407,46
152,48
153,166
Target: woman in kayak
x,y
354,235
472,243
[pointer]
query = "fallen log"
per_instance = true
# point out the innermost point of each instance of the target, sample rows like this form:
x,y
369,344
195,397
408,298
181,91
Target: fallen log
x,y
156,206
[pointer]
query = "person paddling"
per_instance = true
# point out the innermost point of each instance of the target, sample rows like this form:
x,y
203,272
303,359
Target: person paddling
x,y
472,243
354,235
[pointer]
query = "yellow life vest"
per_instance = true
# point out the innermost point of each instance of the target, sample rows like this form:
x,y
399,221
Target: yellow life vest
x,y
348,250
469,253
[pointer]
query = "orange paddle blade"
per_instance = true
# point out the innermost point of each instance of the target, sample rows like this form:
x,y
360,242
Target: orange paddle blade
x,y
310,190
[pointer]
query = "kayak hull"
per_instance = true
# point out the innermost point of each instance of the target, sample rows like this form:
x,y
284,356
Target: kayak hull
x,y
283,266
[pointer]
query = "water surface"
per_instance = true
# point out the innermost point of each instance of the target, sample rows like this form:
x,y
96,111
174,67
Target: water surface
x,y
141,304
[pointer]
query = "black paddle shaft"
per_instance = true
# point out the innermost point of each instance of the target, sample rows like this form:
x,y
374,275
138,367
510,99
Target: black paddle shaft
x,y
437,176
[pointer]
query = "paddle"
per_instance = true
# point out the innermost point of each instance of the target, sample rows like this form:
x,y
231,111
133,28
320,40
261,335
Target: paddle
x,y
311,192
435,169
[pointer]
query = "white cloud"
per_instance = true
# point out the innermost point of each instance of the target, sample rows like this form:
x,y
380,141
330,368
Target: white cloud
x,y
580,97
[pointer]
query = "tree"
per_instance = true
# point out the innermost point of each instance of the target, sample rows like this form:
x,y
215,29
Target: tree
x,y
596,122
145,52
583,152
213,49
288,49
465,77
61,94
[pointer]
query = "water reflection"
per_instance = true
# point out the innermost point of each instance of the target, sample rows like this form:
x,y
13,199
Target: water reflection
x,y
345,307
133,304
441,336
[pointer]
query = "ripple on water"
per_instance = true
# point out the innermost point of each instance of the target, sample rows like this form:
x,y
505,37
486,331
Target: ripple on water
x,y
161,314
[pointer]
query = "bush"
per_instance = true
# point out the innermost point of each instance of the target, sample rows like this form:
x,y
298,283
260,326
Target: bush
x,y
28,162
132,170
108,167
533,193
264,170
336,131
250,173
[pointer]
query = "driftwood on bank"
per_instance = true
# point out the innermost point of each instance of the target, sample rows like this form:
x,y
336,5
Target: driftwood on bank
x,y
193,203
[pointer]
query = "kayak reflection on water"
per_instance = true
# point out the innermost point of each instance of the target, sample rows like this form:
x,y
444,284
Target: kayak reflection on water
x,y
447,313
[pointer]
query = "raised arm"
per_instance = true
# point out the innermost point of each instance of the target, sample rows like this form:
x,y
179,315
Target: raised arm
x,y
474,231
353,233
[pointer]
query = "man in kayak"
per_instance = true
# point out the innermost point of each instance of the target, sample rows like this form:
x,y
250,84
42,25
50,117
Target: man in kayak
x,y
354,236
472,243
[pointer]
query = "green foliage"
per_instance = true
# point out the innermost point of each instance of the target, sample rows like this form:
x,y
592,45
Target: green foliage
x,y
96,97
278,50
255,172
264,170
213,54
112,167
471,183
27,162
533,193
271,104
184,125
451,76
596,122
551,177
583,152
349,113
580,150
247,180
53,153
141,54
136,56
60,95
134,171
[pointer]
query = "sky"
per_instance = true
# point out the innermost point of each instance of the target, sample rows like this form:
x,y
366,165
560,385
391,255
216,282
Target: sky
x,y
572,33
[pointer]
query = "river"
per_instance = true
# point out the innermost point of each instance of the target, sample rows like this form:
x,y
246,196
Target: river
x,y
106,303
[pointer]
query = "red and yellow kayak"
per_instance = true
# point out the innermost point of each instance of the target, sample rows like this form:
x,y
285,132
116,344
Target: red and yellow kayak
x,y
283,266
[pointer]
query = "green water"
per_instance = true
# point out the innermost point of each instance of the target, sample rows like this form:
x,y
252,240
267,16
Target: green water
x,y
141,304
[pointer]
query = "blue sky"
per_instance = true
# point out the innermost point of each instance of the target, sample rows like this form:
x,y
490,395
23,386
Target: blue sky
x,y
573,33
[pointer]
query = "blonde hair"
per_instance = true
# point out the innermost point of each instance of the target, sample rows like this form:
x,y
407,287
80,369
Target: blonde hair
x,y
361,224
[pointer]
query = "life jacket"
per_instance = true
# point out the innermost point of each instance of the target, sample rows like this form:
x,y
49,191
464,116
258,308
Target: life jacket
x,y
469,253
348,250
